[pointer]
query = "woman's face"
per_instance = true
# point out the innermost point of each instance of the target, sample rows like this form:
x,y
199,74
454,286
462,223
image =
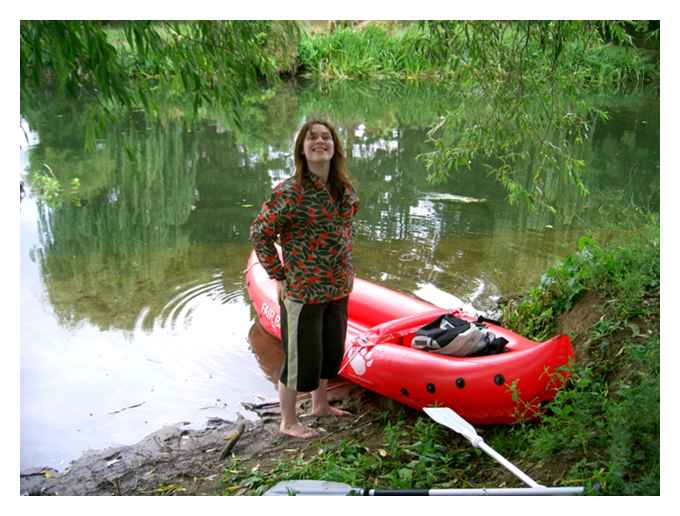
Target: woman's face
x,y
318,145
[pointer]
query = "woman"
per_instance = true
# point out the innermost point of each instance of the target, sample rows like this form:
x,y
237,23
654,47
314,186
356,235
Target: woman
x,y
312,214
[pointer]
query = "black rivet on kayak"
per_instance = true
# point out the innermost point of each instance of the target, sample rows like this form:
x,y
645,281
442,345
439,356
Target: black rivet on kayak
x,y
430,388
404,391
460,383
499,379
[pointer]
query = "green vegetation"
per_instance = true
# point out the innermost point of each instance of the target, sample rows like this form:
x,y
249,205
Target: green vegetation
x,y
624,276
407,454
211,62
601,431
609,416
523,105
374,52
519,89
603,54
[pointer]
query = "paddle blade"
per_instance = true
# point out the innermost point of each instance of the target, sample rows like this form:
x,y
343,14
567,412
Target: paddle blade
x,y
448,417
311,487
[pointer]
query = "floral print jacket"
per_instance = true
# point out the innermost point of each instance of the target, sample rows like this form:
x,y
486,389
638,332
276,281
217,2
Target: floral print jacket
x,y
315,236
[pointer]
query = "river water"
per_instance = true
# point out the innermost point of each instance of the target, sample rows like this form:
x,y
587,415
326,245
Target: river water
x,y
134,312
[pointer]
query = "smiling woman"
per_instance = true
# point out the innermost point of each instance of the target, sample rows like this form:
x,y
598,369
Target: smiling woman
x,y
312,213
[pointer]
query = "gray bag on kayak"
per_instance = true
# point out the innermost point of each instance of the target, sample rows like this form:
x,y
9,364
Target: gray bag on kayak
x,y
463,344
452,336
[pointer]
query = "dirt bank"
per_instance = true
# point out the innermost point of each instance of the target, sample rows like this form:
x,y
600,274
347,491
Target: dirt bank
x,y
181,461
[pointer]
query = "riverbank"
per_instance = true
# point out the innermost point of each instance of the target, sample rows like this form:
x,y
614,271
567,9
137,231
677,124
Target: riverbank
x,y
602,431
175,460
247,457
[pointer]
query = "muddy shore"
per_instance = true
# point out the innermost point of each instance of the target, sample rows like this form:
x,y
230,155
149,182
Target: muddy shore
x,y
181,461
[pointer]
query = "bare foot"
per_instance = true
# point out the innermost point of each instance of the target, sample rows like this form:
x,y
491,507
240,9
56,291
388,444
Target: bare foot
x,y
330,411
298,430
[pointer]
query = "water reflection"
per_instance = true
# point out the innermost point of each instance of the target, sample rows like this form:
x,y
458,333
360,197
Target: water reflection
x,y
268,351
103,259
195,304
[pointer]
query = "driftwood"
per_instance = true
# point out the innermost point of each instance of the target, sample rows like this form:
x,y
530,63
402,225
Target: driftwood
x,y
256,407
240,427
127,408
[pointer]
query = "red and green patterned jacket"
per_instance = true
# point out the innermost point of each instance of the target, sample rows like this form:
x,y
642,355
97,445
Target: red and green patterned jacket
x,y
316,239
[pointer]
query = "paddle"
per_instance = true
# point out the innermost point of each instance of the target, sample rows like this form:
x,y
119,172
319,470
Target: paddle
x,y
449,418
322,487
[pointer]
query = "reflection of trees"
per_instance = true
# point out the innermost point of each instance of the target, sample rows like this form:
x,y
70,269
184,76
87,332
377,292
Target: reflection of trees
x,y
104,260
622,172
63,131
406,240
625,154
381,105
136,229
232,185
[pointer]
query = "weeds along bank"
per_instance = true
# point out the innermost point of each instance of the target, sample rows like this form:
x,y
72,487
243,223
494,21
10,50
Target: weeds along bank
x,y
598,54
606,423
602,430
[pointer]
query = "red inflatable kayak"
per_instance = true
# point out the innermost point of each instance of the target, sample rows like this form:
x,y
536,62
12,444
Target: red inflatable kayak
x,y
495,389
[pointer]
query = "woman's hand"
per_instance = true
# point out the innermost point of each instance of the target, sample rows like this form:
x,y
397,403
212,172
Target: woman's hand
x,y
281,289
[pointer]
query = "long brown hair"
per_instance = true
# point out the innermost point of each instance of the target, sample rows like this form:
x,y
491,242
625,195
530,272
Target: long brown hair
x,y
338,176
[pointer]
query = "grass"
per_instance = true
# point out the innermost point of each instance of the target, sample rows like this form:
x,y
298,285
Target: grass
x,y
409,451
601,431
613,68
374,52
428,51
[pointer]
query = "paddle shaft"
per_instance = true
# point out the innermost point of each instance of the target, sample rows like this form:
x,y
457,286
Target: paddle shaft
x,y
508,465
511,491
326,488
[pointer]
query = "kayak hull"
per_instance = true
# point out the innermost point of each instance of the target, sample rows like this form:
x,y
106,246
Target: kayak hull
x,y
497,389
